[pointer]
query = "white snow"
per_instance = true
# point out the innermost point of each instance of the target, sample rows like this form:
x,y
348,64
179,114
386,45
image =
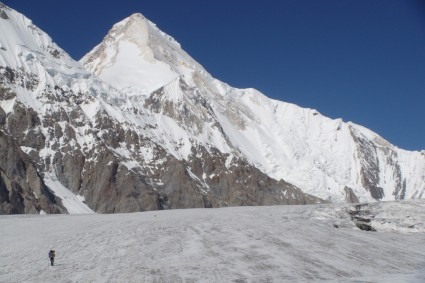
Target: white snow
x,y
245,244
145,74
91,109
170,132
128,61
27,47
73,203
228,162
7,105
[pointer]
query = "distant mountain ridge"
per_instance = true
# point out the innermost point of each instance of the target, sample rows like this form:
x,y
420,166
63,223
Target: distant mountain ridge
x,y
151,129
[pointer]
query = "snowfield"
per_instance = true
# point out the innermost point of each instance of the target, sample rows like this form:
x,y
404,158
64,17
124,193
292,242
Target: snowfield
x,y
243,244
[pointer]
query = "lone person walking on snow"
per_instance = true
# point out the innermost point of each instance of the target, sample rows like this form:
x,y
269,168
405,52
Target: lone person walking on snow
x,y
52,257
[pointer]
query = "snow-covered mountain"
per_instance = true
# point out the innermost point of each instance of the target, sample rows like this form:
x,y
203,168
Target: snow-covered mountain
x,y
81,145
143,126
322,156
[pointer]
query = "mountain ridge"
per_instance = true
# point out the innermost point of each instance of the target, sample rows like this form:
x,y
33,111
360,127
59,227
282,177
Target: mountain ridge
x,y
239,108
191,142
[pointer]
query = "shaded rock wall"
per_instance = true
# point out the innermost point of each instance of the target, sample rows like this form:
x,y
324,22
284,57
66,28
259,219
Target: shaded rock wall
x,y
22,190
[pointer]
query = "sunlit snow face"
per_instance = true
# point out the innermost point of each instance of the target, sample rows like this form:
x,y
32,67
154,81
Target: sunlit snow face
x,y
131,65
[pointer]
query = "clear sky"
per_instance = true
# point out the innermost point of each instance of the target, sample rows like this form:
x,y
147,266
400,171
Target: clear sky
x,y
359,60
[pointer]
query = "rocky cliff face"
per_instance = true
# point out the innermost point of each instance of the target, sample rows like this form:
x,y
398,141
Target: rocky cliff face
x,y
73,143
22,189
116,168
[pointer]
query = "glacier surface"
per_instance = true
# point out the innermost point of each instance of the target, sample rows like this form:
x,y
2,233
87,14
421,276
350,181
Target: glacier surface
x,y
235,244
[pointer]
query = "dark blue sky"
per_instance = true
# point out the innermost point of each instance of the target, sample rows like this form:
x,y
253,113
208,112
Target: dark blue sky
x,y
359,60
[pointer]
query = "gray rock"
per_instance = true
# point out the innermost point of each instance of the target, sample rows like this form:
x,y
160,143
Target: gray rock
x,y
22,190
350,196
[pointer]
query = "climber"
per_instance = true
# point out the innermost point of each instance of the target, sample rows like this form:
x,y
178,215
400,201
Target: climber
x,y
52,257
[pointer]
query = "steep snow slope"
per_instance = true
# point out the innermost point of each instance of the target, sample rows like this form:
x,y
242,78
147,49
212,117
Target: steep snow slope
x,y
324,157
136,54
321,155
245,244
23,45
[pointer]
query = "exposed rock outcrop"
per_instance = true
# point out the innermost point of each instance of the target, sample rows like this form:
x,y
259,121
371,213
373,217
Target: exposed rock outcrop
x,y
350,196
22,189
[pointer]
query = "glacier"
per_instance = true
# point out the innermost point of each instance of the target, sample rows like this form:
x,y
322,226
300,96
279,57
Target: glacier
x,y
236,244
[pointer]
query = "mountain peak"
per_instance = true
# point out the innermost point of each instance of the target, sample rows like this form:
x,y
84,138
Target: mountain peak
x,y
131,55
134,27
136,18
26,47
136,54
